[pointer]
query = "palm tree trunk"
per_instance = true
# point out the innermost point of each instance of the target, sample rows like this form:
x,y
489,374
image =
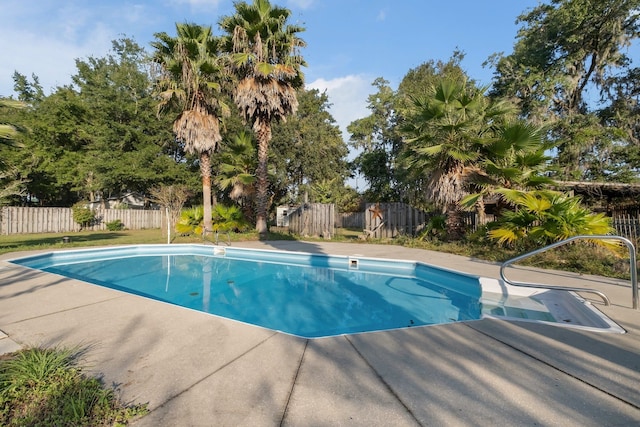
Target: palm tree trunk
x,y
454,222
205,171
262,129
481,211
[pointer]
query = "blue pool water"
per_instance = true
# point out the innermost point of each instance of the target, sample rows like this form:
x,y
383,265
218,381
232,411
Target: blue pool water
x,y
302,294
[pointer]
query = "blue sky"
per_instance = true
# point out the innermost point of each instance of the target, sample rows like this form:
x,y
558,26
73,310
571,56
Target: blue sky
x,y
350,42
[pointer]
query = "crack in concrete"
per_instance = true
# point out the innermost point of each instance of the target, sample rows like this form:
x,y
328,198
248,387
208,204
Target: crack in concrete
x,y
220,368
293,384
521,351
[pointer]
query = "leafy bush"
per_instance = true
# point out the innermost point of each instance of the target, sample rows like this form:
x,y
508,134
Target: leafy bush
x,y
47,387
224,218
228,218
115,225
542,217
190,221
83,215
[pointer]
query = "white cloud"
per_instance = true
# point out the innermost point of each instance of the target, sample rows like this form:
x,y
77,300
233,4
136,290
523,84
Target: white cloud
x,y
47,40
348,96
50,58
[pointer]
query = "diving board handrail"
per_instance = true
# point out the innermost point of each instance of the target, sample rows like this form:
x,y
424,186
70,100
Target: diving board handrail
x,y
632,267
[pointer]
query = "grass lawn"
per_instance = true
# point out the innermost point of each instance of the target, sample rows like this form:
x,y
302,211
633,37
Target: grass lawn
x,y
27,242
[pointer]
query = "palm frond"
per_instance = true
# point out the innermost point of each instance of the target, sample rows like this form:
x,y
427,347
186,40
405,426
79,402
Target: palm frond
x,y
470,201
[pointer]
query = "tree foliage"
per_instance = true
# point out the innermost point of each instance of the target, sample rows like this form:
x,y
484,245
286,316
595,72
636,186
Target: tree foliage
x,y
570,70
11,185
97,138
307,149
447,134
377,138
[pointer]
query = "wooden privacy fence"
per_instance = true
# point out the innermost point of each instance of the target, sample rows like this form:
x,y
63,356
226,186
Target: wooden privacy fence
x,y
313,219
350,220
399,218
18,220
387,220
357,220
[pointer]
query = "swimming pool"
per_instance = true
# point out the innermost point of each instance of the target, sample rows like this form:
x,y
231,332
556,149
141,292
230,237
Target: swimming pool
x,y
305,294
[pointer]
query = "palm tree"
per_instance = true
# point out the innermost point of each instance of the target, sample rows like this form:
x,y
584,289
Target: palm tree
x,y
191,83
264,53
236,172
446,132
514,158
237,167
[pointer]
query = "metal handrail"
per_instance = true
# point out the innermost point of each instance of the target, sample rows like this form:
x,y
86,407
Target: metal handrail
x,y
632,267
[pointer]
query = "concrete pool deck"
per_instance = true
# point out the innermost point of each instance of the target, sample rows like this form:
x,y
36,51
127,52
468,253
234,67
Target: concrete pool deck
x,y
195,369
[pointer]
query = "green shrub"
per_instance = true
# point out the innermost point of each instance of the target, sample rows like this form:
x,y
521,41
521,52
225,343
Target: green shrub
x,y
228,218
542,217
115,225
435,228
190,221
224,219
83,215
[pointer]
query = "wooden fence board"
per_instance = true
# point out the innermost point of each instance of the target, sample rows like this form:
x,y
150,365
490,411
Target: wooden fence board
x,y
313,219
350,220
316,220
397,219
22,220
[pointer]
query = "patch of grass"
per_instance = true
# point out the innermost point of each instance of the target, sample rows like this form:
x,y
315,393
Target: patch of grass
x,y
46,387
28,242
583,258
